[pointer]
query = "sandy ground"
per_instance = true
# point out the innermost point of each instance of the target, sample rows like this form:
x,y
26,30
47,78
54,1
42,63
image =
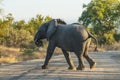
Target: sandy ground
x,y
108,68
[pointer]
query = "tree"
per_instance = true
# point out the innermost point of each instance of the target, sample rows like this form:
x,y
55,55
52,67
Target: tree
x,y
104,17
19,33
19,24
5,25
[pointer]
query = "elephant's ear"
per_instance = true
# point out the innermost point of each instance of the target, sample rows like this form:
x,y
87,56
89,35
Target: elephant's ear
x,y
51,28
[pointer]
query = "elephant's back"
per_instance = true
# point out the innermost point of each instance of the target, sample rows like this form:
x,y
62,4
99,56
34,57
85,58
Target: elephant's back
x,y
69,37
73,31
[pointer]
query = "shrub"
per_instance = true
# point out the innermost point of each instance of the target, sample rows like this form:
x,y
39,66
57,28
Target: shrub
x,y
109,38
117,37
18,38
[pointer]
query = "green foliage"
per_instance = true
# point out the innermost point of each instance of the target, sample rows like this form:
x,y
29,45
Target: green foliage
x,y
19,33
104,16
5,24
28,52
117,37
18,38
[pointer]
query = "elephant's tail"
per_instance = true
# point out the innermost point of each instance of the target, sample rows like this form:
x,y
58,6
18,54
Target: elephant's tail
x,y
96,41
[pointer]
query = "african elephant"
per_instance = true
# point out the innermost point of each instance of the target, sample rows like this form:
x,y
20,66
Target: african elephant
x,y
69,37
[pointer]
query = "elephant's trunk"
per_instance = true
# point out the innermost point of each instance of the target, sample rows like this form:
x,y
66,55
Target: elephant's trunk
x,y
38,43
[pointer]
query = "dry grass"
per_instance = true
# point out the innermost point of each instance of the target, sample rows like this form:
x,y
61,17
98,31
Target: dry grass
x,y
9,55
13,55
115,46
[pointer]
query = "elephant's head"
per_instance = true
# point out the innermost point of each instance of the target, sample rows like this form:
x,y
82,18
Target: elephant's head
x,y
41,34
47,30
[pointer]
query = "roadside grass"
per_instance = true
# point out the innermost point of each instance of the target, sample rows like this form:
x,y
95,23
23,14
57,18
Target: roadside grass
x,y
14,55
9,55
115,46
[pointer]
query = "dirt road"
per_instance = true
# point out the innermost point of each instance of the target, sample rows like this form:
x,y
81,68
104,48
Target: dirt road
x,y
108,68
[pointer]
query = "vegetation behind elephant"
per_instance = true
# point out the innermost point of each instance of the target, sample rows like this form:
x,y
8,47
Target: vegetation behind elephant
x,y
69,37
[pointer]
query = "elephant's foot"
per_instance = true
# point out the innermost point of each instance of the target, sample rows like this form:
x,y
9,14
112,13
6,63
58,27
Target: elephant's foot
x,y
44,67
72,68
81,68
92,65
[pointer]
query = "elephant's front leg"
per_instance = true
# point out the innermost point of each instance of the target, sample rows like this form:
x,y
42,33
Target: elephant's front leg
x,y
50,51
69,60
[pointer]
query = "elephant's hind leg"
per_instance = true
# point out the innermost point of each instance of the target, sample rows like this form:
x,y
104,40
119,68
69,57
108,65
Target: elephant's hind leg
x,y
79,55
69,60
80,61
90,60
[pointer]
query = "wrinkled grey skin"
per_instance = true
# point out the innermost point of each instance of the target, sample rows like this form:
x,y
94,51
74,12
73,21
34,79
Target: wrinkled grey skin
x,y
72,37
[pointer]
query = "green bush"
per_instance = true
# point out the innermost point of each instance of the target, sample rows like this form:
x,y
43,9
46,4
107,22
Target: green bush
x,y
18,38
109,38
117,37
28,52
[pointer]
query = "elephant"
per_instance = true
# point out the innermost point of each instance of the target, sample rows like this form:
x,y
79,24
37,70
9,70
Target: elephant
x,y
69,38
